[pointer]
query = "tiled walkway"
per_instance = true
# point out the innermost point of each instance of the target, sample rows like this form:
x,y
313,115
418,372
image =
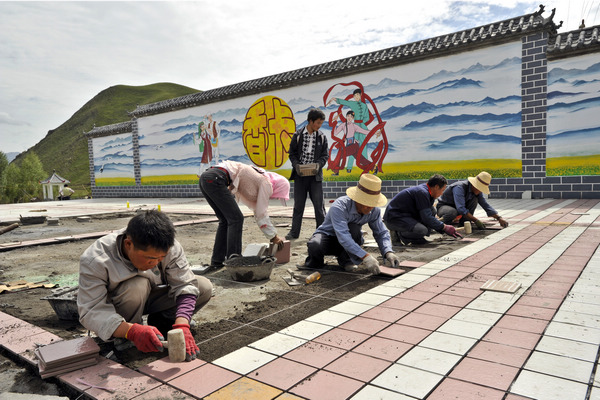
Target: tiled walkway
x,y
428,334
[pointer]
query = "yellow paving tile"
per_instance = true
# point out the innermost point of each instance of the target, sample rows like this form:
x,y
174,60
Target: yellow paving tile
x,y
288,396
247,389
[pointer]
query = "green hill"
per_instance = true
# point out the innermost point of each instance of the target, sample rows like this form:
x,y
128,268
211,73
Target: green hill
x,y
65,148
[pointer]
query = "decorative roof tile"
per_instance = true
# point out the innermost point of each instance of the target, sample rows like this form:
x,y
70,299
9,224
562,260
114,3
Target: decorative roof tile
x,y
570,43
113,129
55,178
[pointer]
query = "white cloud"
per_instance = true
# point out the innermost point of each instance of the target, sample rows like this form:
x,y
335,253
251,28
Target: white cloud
x,y
55,56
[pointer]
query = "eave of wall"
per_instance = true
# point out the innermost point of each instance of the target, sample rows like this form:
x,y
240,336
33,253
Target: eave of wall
x,y
108,130
569,44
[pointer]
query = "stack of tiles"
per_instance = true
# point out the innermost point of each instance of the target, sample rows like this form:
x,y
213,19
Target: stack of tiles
x,y
68,355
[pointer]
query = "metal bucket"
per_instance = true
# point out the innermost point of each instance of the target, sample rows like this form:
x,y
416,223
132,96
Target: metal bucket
x,y
64,303
248,269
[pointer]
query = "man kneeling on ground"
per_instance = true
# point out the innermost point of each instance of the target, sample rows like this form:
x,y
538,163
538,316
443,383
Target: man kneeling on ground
x,y
340,234
411,215
136,271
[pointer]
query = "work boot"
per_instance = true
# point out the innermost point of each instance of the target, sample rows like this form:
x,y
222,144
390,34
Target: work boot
x,y
161,323
290,236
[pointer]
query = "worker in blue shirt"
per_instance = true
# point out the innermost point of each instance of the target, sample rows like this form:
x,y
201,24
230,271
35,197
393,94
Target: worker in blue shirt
x,y
340,234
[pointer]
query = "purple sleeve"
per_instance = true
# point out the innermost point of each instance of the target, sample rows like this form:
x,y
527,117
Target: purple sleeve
x,y
186,303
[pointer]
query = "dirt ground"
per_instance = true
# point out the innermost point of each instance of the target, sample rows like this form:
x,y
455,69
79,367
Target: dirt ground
x,y
239,313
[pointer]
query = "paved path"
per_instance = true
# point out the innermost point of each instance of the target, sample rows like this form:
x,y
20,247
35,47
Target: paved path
x,y
428,334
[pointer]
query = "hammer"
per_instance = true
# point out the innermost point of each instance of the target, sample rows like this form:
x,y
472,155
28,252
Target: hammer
x,y
176,344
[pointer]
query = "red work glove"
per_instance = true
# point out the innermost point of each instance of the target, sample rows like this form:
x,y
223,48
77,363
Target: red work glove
x,y
146,338
450,230
192,351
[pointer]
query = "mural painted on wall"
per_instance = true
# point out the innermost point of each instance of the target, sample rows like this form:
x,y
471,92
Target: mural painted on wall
x,y
573,128
454,115
113,160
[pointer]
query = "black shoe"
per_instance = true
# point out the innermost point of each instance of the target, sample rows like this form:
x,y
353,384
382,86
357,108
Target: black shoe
x,y
289,236
161,323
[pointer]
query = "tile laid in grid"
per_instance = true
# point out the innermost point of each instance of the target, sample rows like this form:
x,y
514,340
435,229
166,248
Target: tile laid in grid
x,y
449,343
204,380
439,362
164,369
315,354
541,386
282,373
477,316
365,325
342,338
402,304
450,300
570,348
386,349
351,308
277,343
464,328
370,392
306,330
244,360
531,312
418,295
560,366
595,393
383,290
163,392
500,353
326,385
358,366
572,332
403,333
522,324
24,346
332,318
439,310
369,298
423,321
385,314
408,381
456,389
511,337
576,318
485,373
245,388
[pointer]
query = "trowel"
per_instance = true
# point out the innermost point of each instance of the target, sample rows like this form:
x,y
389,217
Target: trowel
x,y
296,279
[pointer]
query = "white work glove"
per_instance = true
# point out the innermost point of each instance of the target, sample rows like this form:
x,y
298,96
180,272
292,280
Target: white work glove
x,y
371,264
393,259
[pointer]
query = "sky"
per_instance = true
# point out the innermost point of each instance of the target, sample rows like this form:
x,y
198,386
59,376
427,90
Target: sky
x,y
56,56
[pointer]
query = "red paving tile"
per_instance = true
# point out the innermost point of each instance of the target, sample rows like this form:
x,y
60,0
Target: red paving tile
x,y
424,321
386,349
454,389
358,366
454,273
315,354
450,300
24,346
326,385
522,324
164,370
414,294
365,325
384,314
406,334
521,310
500,353
463,292
204,380
342,338
163,392
439,310
511,337
485,373
282,373
538,301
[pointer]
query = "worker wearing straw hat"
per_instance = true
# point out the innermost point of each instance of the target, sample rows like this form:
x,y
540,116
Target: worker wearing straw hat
x,y
460,200
340,234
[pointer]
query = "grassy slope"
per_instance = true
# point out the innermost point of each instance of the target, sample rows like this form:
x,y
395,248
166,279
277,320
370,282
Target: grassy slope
x,y
65,148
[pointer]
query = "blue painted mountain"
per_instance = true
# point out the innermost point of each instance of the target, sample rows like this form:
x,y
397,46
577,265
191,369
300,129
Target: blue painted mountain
x,y
106,169
452,84
445,120
583,82
595,131
119,141
560,73
114,157
586,103
424,107
475,68
557,94
170,163
473,137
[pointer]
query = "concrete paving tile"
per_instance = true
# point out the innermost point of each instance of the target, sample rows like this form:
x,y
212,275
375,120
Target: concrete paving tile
x,y
244,360
403,333
455,389
328,317
342,338
16,330
439,310
369,298
572,332
164,369
531,312
454,273
407,380
576,318
402,304
415,294
463,292
568,348
485,373
477,316
560,366
326,385
25,346
439,362
383,290
164,392
289,396
511,337
541,386
532,300
517,397
315,354
370,392
450,343
500,353
365,325
464,328
595,393
450,300
204,380
522,324
282,373
351,308
384,314
424,321
386,349
247,389
358,366
306,330
278,343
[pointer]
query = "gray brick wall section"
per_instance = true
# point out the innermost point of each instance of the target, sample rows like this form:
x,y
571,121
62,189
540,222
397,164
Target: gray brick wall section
x,y
92,169
136,154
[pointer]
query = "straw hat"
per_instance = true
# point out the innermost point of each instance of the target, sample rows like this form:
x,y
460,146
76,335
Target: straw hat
x,y
481,182
367,192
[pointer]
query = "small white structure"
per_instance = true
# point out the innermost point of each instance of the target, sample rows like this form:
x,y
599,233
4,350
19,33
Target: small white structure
x,y
49,183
